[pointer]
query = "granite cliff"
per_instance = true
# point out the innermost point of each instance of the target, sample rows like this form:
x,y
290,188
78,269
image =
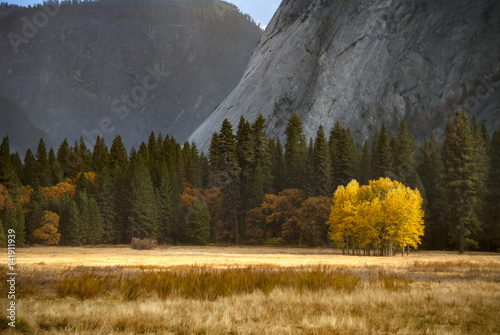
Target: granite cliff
x,y
368,63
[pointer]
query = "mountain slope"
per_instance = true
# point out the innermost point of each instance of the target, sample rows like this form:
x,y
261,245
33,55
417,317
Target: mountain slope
x,y
123,67
370,64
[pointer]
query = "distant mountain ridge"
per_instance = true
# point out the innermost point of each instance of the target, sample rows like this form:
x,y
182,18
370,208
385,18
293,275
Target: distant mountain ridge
x,y
368,63
121,67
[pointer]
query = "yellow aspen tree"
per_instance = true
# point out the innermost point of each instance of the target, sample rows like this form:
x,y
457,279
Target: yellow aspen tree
x,y
343,214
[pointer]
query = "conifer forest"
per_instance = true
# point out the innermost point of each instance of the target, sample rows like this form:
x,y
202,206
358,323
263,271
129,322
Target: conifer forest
x,y
251,189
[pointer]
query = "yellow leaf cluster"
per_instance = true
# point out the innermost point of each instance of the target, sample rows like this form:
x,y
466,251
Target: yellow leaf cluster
x,y
384,215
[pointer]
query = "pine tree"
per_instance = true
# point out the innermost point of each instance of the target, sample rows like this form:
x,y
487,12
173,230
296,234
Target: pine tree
x,y
493,225
405,157
141,214
382,157
165,205
245,156
8,175
262,153
309,186
82,202
295,154
105,197
82,184
429,170
365,166
43,167
335,135
35,210
345,151
461,180
198,223
96,223
56,173
322,164
69,223
63,157
118,154
30,168
100,156
278,166
230,171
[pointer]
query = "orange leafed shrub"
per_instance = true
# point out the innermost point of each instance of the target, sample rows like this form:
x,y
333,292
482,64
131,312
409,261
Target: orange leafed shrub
x,y
47,233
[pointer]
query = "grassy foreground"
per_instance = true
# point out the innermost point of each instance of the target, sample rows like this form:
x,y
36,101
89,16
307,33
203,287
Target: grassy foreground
x,y
426,293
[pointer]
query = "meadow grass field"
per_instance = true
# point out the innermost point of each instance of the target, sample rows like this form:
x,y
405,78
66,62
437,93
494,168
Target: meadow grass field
x,y
251,290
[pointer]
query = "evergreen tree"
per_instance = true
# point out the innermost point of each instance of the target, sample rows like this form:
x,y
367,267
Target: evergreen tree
x,y
204,170
493,227
17,165
82,202
295,154
278,166
35,210
309,186
461,180
365,166
230,172
141,218
345,151
245,156
30,169
405,157
56,173
63,157
105,197
69,223
118,154
429,170
100,156
8,175
43,167
262,153
335,135
322,165
198,223
82,184
382,157
86,156
96,223
165,197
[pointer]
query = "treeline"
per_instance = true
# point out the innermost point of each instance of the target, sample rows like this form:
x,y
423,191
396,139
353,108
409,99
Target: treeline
x,y
249,188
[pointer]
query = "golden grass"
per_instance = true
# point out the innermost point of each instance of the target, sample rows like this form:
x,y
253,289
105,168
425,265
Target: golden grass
x,y
242,290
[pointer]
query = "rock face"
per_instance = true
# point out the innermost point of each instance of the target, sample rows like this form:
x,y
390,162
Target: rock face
x,y
368,63
121,67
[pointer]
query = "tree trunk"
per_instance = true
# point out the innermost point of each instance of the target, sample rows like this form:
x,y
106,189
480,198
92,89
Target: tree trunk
x,y
407,250
347,245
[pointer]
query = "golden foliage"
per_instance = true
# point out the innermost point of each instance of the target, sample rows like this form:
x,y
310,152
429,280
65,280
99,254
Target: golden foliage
x,y
47,233
384,214
59,190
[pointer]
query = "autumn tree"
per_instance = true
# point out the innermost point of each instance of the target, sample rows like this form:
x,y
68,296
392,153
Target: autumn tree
x,y
47,233
313,218
384,214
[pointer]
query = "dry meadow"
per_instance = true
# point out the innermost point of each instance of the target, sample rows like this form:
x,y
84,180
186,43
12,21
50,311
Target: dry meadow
x,y
252,290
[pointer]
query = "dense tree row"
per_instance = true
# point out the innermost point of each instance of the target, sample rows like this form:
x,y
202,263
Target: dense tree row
x,y
250,188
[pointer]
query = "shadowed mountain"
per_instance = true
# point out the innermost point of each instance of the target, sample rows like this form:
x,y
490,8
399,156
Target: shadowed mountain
x,y
121,67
